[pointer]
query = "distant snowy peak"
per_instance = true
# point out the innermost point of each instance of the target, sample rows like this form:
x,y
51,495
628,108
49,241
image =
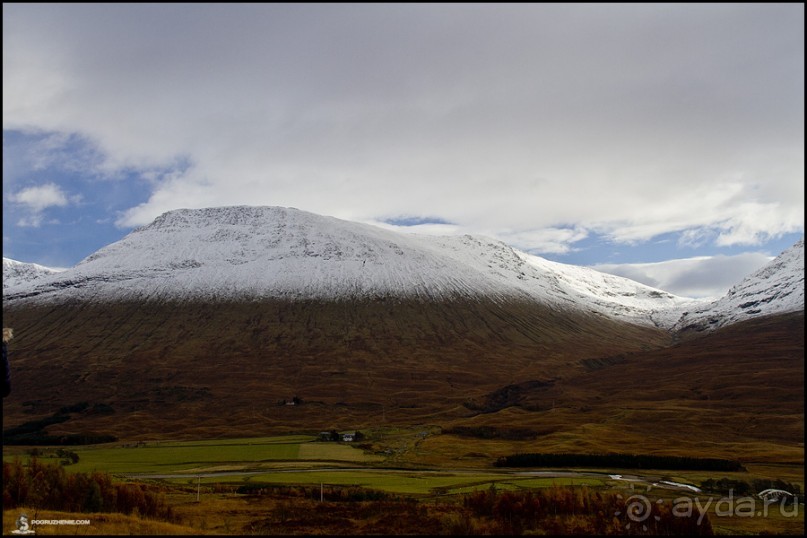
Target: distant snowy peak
x,y
15,273
776,288
250,253
618,295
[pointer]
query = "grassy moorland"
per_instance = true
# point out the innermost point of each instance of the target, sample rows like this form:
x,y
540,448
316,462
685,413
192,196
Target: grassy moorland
x,y
736,393
279,482
196,371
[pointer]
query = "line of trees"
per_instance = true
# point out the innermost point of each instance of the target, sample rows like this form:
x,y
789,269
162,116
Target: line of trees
x,y
620,461
48,486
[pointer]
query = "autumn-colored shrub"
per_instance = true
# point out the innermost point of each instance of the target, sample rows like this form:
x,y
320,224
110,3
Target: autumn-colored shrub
x,y
570,510
48,486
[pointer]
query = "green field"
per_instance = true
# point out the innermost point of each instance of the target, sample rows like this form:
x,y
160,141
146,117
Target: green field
x,y
284,460
208,456
392,481
400,482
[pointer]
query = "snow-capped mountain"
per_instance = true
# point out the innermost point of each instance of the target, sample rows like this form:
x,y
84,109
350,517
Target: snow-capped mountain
x,y
16,273
775,289
271,252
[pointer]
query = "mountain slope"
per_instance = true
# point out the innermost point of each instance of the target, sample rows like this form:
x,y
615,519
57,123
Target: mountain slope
x,y
734,392
16,273
775,289
197,368
239,308
254,253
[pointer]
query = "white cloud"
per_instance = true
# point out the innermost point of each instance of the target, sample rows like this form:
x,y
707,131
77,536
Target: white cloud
x,y
705,276
41,197
537,124
36,200
426,228
547,240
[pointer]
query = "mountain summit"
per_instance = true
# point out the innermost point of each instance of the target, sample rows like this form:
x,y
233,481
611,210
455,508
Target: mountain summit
x,y
254,253
775,289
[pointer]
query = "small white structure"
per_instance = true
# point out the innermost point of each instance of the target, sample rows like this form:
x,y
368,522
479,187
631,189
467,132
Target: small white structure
x,y
773,494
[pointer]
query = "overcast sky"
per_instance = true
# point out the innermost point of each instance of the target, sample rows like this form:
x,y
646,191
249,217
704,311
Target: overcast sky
x,y
660,141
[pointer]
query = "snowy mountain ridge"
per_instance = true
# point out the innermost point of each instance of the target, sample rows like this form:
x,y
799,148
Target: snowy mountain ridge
x,y
249,253
16,273
776,288
252,253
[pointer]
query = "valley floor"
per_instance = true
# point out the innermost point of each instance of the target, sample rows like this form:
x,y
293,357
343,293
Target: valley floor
x,y
387,484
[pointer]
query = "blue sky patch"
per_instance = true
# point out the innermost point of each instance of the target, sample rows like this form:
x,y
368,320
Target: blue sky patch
x,y
415,221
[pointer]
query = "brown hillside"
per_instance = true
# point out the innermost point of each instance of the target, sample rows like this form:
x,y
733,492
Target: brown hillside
x,y
201,369
737,393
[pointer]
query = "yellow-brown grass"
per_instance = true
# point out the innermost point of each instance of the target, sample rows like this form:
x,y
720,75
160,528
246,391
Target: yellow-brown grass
x,y
193,370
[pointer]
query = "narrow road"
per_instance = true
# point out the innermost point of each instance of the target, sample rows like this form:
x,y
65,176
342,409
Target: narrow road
x,y
643,480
